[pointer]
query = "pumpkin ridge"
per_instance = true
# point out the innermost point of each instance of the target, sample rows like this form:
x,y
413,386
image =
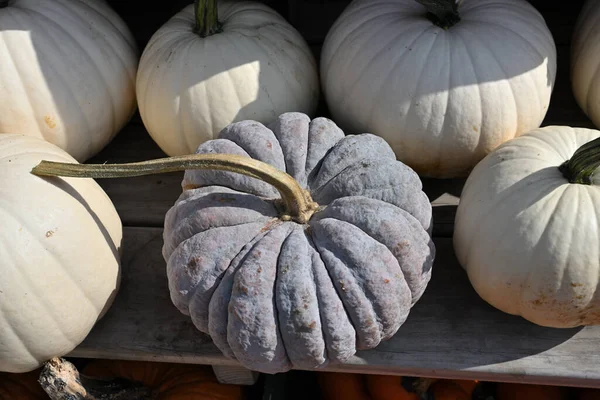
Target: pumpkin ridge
x,y
396,64
483,46
526,303
422,275
219,301
181,222
92,134
327,341
286,54
367,322
249,338
31,282
23,86
315,183
297,305
17,336
204,271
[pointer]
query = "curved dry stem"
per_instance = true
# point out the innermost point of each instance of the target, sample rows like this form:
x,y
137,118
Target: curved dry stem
x,y
299,205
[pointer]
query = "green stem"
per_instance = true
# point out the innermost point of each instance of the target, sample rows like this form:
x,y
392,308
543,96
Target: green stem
x,y
207,17
583,164
4,3
443,13
299,205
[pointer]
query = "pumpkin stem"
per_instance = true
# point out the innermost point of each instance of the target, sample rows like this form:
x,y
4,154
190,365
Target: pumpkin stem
x,y
298,203
207,17
61,381
582,166
443,13
4,3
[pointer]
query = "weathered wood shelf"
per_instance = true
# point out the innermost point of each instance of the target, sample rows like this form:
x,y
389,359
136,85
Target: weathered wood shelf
x,y
450,333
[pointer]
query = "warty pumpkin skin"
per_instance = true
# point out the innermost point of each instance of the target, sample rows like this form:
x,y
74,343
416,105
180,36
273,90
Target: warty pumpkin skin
x,y
526,236
585,60
301,276
254,65
275,294
59,256
442,98
67,73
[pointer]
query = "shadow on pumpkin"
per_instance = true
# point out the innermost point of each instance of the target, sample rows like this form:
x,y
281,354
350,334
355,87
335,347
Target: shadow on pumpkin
x,y
116,250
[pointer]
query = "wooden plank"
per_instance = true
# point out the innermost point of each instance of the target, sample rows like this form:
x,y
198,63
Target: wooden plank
x,y
450,333
235,375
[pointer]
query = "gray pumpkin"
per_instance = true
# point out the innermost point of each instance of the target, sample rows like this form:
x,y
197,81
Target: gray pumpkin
x,y
275,294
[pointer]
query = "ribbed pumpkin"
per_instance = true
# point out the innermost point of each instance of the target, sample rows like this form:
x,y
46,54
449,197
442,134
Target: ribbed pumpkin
x,y
201,72
327,260
59,256
444,84
527,227
67,72
585,60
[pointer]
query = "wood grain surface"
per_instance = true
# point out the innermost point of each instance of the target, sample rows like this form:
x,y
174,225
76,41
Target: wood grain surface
x,y
450,332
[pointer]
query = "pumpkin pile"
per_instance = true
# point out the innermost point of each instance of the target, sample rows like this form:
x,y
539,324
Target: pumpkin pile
x,y
296,242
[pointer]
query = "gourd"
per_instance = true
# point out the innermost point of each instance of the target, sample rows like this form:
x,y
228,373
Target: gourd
x,y
292,245
585,62
219,62
67,72
59,258
527,225
445,83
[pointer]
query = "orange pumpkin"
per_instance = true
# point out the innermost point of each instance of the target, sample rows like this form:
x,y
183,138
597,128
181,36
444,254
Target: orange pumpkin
x,y
383,387
519,391
453,389
342,386
169,381
21,386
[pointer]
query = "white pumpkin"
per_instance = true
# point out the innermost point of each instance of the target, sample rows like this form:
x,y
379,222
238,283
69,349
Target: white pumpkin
x,y
256,66
442,98
67,73
527,237
60,244
585,60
